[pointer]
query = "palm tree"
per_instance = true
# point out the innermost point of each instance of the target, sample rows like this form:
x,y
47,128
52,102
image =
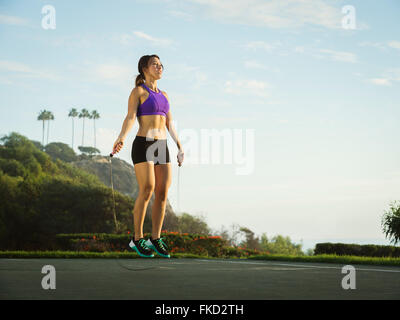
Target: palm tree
x,y
391,222
73,113
84,114
49,116
94,116
42,117
89,116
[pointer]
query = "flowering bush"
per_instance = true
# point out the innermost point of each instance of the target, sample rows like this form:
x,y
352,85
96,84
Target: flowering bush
x,y
204,245
89,245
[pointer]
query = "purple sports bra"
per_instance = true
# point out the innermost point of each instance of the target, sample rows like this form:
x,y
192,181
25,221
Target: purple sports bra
x,y
156,103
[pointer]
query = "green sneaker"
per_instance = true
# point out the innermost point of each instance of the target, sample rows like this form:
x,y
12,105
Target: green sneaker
x,y
141,248
159,246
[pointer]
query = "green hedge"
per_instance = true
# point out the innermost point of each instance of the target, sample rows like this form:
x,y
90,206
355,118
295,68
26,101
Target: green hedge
x,y
368,250
197,244
183,243
83,255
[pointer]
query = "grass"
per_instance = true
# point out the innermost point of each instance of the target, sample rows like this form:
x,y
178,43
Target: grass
x,y
332,258
83,254
387,261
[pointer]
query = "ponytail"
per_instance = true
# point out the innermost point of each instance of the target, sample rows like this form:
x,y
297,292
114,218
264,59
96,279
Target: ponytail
x,y
139,80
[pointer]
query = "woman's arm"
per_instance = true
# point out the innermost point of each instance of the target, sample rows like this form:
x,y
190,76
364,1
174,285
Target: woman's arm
x,y
172,131
170,126
133,103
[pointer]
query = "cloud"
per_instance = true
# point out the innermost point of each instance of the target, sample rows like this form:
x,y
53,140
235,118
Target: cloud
x,y
180,99
125,39
319,53
14,66
378,45
154,41
201,79
393,74
180,14
274,13
181,70
266,46
193,75
251,64
119,75
130,39
112,71
381,45
105,139
22,70
387,78
394,44
340,55
333,55
230,121
299,49
115,74
255,65
80,41
247,87
13,21
380,81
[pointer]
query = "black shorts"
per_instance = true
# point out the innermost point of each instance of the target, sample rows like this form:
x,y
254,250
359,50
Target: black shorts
x,y
155,150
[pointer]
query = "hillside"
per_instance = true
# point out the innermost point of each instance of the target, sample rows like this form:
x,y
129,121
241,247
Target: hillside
x,y
124,180
43,195
48,190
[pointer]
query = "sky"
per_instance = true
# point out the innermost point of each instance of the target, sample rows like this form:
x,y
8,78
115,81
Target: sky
x,y
287,110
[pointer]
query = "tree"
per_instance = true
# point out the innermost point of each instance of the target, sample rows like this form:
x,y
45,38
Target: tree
x,y
40,198
232,237
391,223
38,145
191,224
94,115
90,151
42,117
84,114
280,245
62,151
73,113
48,116
251,242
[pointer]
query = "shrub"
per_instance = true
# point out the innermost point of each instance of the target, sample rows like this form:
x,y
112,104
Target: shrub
x,y
209,246
369,250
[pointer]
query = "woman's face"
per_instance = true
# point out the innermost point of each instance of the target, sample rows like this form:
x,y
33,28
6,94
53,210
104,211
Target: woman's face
x,y
155,68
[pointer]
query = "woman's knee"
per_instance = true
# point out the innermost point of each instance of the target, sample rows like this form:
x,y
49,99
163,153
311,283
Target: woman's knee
x,y
161,194
146,191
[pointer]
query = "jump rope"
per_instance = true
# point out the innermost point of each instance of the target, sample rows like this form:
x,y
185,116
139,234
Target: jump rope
x,y
114,211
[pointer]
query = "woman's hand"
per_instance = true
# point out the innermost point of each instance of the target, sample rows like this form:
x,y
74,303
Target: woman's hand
x,y
180,157
118,145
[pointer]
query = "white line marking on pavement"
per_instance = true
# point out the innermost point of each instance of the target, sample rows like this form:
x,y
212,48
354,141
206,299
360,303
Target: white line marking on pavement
x,y
300,265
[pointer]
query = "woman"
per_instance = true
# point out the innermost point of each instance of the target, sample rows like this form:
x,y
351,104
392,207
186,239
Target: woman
x,y
150,154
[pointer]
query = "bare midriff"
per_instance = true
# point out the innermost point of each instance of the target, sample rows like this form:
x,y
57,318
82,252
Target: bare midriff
x,y
151,126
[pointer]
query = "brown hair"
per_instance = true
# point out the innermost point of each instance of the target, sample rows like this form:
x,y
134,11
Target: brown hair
x,y
143,63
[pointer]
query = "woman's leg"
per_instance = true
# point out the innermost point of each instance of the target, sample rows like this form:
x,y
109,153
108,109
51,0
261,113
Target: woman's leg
x,y
146,181
163,178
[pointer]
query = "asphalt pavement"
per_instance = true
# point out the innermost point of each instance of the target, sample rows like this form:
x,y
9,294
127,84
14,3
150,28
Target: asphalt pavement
x,y
193,279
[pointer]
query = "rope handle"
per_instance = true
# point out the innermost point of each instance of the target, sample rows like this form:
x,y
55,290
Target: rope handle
x,y
112,153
